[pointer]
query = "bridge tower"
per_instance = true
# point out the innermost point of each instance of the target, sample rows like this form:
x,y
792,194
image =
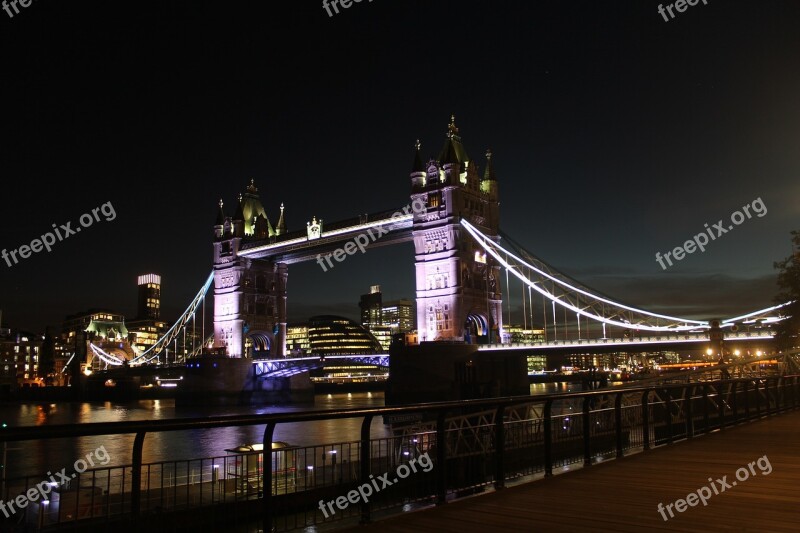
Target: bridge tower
x,y
458,286
249,294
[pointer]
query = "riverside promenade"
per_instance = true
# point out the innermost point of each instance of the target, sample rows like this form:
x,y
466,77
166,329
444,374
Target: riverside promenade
x,y
623,495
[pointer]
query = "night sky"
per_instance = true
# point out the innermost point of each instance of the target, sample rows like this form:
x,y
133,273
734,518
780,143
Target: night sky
x,y
615,135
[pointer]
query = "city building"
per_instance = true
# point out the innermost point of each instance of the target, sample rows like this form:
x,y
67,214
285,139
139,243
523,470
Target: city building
x,y
520,334
297,343
19,358
336,335
383,319
384,335
104,329
371,307
100,323
399,315
148,327
149,296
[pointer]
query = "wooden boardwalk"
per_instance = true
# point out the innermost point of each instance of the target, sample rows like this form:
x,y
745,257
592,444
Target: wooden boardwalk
x,y
623,495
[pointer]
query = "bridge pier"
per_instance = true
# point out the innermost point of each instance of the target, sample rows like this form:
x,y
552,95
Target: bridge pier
x,y
219,380
434,371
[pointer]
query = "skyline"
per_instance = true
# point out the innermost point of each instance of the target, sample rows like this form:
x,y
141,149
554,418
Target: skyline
x,y
616,136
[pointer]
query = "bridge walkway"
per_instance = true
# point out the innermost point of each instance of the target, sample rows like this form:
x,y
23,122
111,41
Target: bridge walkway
x,y
623,495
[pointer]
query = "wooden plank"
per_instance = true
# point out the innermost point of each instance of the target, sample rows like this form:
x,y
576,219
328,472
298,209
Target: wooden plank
x,y
623,495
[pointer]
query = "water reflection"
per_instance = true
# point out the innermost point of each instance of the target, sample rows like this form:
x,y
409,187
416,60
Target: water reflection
x,y
551,388
32,457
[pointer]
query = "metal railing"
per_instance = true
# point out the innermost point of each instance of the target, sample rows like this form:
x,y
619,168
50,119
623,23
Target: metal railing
x,y
471,446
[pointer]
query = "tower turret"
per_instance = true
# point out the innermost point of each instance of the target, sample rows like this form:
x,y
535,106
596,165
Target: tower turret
x,y
417,169
219,224
489,181
453,157
280,227
238,219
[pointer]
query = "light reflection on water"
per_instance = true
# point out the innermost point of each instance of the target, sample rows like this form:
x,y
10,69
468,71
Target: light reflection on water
x,y
552,388
33,457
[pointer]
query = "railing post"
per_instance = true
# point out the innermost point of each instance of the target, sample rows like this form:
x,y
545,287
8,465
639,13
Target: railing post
x,y
587,433
746,400
689,411
646,420
366,464
500,447
788,403
668,414
266,488
706,428
758,398
548,438
766,396
776,396
734,415
136,475
441,458
720,406
618,422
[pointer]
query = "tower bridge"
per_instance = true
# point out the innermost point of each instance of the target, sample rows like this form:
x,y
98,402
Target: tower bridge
x,y
452,217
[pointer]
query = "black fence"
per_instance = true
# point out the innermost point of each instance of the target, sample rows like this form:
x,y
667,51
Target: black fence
x,y
439,451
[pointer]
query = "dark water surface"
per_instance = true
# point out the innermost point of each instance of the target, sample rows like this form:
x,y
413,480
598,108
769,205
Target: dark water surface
x,y
35,457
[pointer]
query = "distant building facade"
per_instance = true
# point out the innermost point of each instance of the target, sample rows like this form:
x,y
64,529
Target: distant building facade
x,y
520,334
147,327
104,330
297,343
384,319
19,356
399,315
371,307
336,335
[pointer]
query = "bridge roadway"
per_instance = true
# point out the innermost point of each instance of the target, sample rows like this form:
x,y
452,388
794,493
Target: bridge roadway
x,y
623,494
380,229
656,342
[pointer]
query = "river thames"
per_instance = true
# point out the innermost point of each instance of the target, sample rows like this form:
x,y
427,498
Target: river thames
x,y
37,457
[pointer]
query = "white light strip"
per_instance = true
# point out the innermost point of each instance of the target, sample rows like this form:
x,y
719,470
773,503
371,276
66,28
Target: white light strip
x,y
613,343
401,222
481,238
66,366
105,357
754,313
726,321
319,358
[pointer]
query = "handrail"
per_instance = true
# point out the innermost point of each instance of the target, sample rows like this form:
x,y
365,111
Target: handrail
x,y
13,434
780,396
